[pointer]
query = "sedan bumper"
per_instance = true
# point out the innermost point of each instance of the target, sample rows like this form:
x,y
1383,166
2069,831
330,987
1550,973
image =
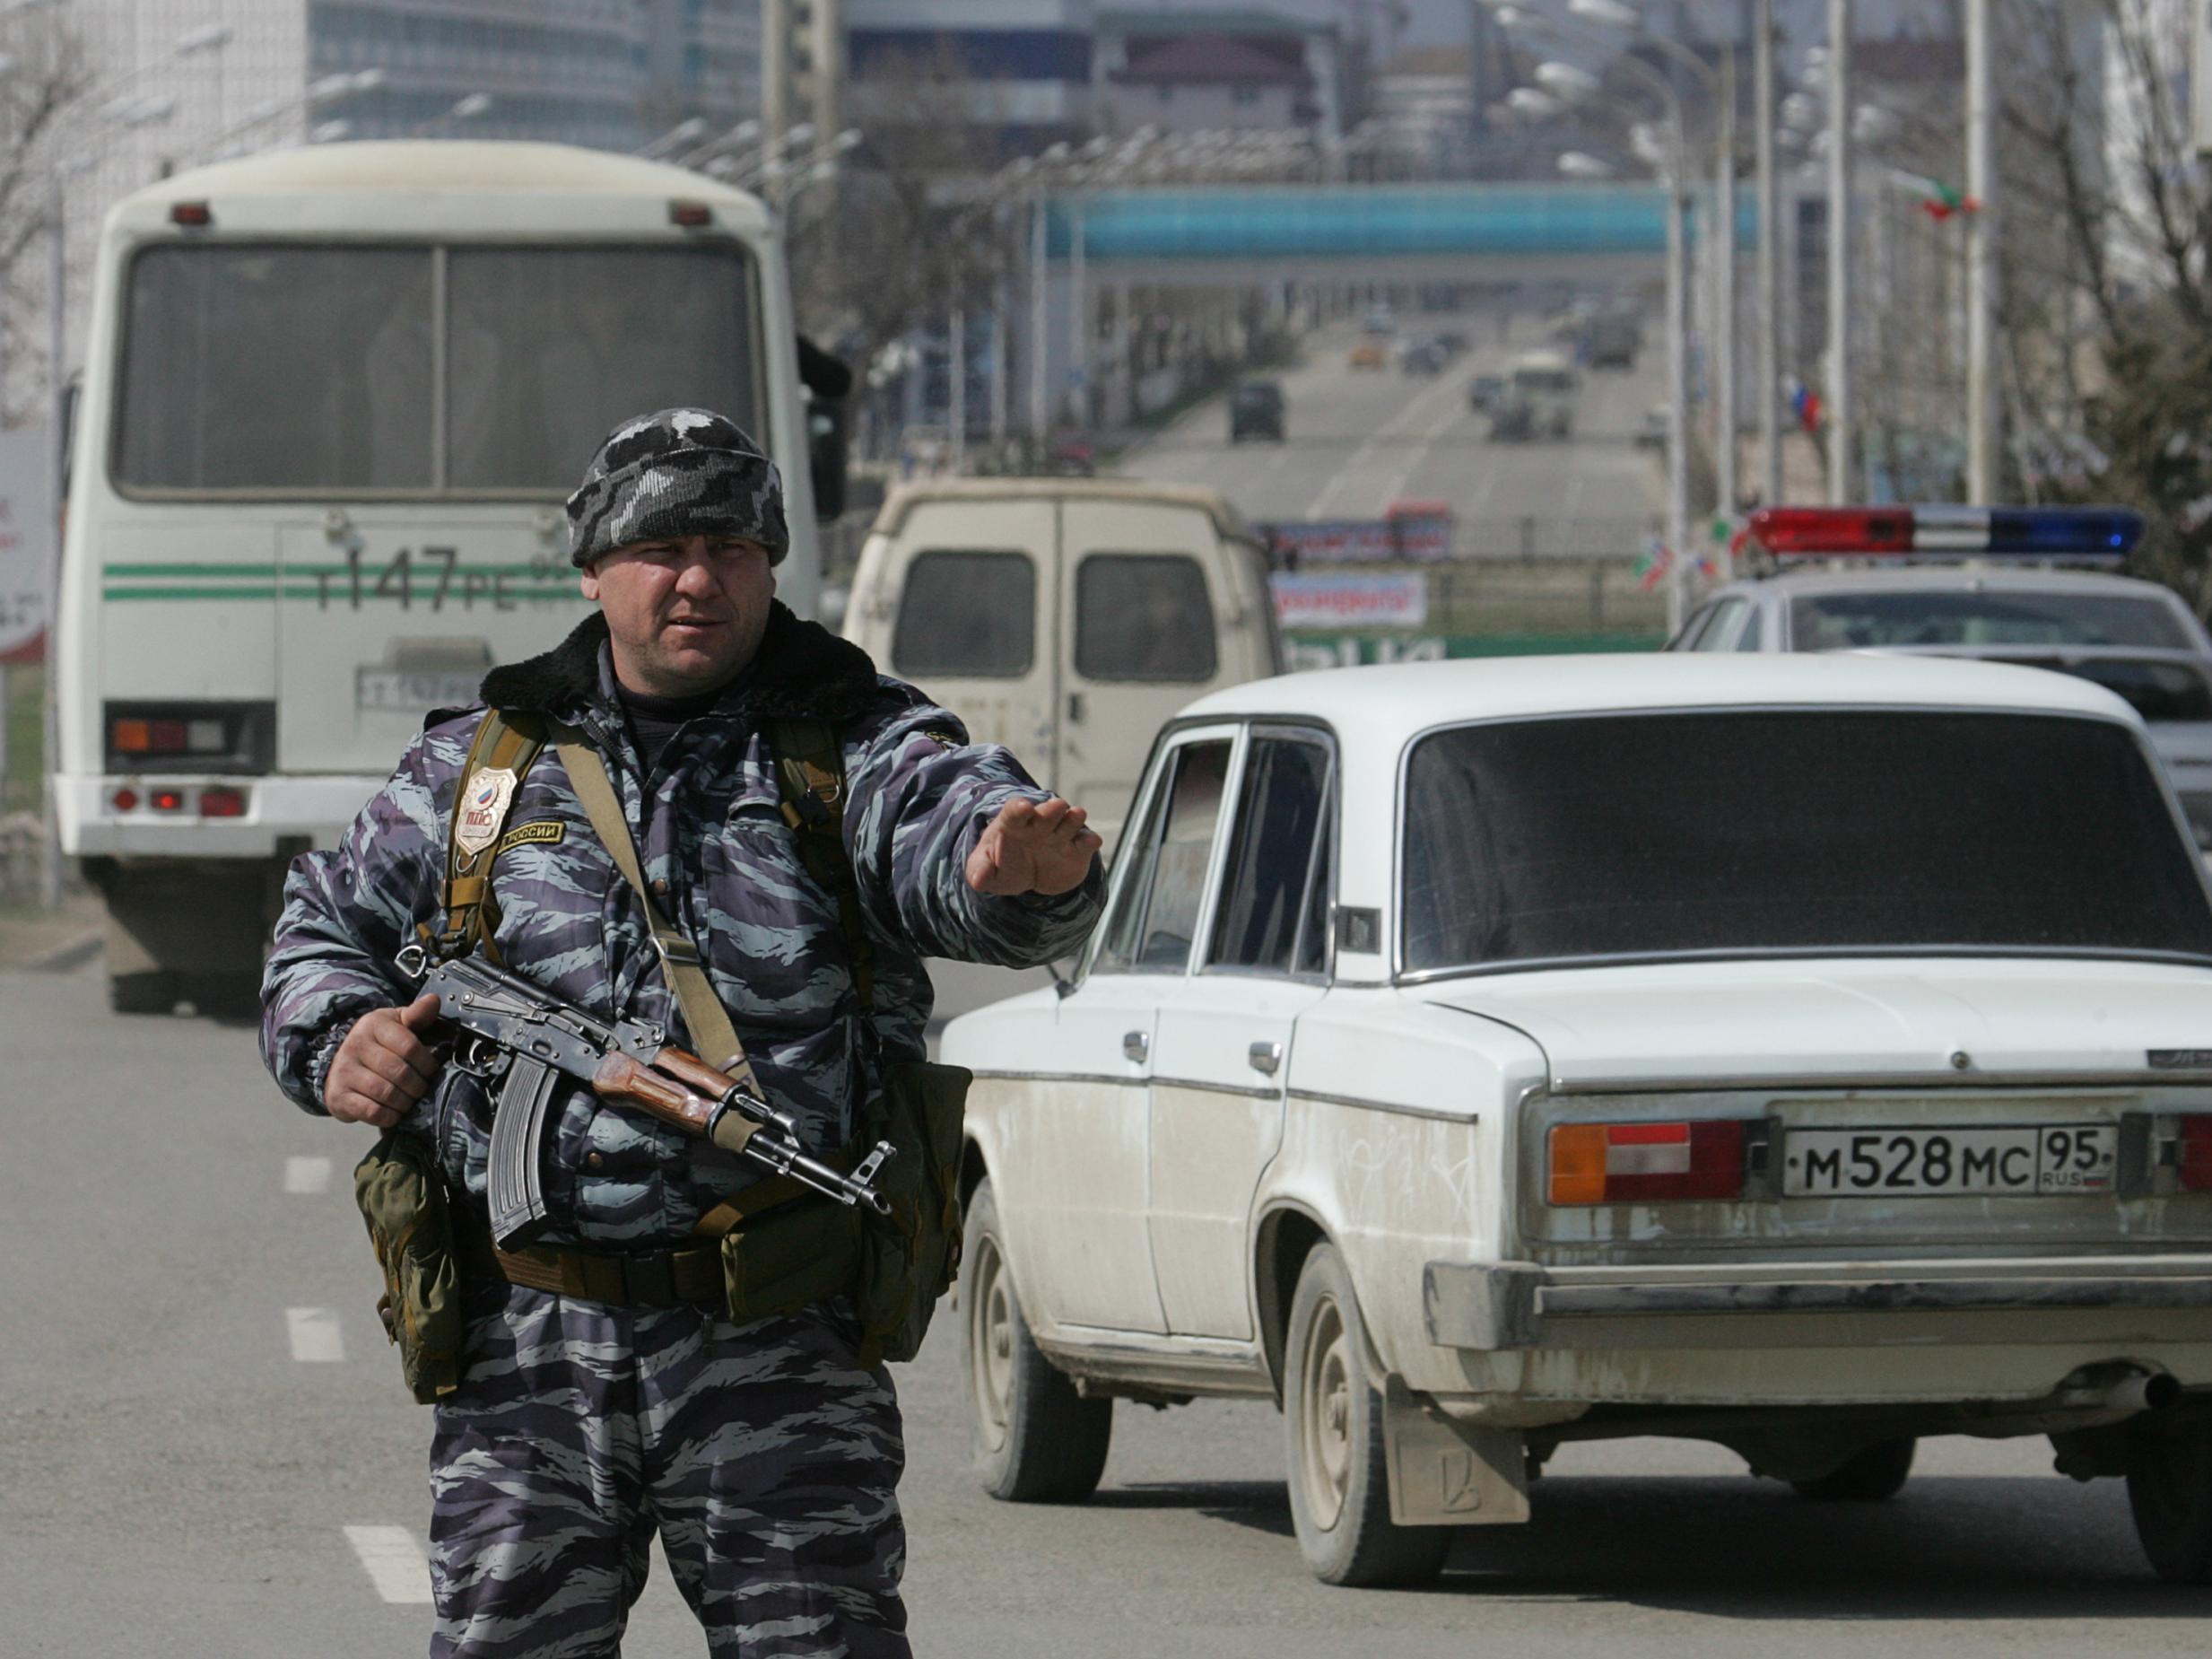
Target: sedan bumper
x,y
1499,1305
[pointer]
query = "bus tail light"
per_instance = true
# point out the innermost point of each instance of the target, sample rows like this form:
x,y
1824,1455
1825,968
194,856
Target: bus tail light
x,y
125,799
223,803
690,215
198,737
1646,1162
2195,1164
194,215
166,800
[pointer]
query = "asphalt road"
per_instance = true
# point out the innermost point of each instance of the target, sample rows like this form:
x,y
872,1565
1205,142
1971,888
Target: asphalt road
x,y
1357,439
195,1406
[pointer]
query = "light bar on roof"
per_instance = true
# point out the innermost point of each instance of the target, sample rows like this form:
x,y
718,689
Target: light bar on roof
x,y
2075,534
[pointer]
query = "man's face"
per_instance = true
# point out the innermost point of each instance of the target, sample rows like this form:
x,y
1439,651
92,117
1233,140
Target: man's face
x,y
684,616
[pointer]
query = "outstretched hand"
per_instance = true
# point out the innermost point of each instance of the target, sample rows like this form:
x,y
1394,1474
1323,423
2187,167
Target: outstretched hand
x,y
1032,847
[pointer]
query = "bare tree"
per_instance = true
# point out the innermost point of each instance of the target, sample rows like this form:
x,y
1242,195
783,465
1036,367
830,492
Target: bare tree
x,y
914,234
46,75
2107,317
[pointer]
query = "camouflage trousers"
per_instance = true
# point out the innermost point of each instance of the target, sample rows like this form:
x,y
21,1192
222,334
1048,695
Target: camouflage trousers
x,y
763,1455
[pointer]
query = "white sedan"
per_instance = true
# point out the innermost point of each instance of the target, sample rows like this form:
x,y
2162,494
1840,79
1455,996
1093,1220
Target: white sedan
x,y
1802,1054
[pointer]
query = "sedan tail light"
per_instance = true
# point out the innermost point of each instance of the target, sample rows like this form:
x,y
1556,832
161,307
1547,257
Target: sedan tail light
x,y
1647,1162
2195,1164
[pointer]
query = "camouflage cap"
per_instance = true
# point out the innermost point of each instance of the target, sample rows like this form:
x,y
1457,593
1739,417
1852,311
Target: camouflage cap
x,y
677,473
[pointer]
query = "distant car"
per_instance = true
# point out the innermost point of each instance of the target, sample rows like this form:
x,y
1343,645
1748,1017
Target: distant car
x,y
1421,357
2136,639
1073,458
1652,430
1484,391
1512,419
1454,342
1481,1058
1256,411
1612,340
1379,320
1368,354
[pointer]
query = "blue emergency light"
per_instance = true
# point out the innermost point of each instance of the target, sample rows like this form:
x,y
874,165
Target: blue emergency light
x,y
2075,534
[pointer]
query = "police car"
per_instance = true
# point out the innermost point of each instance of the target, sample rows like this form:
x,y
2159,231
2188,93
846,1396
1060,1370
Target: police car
x,y
1807,1053
1980,582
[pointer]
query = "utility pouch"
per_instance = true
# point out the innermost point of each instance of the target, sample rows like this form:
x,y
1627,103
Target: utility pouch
x,y
784,1259
909,1258
401,1196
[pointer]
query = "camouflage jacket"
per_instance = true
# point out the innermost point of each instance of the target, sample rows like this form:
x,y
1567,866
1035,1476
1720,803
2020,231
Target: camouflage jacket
x,y
726,869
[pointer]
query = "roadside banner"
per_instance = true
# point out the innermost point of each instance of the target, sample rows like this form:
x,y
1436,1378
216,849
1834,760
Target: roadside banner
x,y
26,541
1412,530
1351,601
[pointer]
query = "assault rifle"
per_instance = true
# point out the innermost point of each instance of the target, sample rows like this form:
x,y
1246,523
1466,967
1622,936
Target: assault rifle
x,y
518,1031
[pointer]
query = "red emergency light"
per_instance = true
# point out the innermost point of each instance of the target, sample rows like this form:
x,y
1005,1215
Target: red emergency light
x,y
2103,534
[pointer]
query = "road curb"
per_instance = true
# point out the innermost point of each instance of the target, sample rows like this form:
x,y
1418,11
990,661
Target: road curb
x,y
64,957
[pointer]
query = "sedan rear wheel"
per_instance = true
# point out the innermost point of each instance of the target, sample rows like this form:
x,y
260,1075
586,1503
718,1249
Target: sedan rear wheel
x,y
1037,1440
2170,1494
1339,1468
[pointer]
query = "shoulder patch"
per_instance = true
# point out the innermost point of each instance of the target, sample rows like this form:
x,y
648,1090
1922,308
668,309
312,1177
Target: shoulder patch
x,y
484,810
524,834
945,739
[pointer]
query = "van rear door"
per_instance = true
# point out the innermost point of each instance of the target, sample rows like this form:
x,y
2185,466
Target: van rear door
x,y
976,586
1144,629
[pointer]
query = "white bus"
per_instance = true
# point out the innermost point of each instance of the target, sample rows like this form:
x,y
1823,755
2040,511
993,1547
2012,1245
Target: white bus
x,y
332,399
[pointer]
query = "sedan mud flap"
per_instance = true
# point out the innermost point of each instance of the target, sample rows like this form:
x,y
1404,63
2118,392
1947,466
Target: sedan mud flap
x,y
1449,1473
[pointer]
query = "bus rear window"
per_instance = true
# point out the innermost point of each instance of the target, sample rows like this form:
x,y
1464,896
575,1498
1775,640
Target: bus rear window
x,y
277,368
269,369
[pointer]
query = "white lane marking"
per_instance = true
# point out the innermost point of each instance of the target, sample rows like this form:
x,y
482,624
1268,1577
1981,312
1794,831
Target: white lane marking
x,y
1454,412
394,1562
307,1175
1395,426
316,1338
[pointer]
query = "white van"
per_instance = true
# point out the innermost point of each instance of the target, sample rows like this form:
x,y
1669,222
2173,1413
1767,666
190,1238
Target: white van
x,y
333,400
1067,618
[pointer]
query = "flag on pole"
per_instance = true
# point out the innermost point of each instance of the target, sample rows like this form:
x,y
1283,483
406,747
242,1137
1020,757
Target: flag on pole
x,y
1653,564
1939,200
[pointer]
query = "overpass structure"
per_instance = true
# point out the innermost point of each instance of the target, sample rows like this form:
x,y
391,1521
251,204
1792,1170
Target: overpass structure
x,y
1243,237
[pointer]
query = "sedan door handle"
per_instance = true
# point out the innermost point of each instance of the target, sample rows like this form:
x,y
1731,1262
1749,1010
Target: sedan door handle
x,y
1265,1057
1136,1045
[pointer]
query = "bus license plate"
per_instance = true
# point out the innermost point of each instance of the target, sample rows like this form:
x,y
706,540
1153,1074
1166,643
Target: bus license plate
x,y
415,691
1931,1163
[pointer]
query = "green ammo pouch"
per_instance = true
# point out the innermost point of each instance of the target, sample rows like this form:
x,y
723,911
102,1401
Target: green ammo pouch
x,y
786,1258
401,1196
909,1258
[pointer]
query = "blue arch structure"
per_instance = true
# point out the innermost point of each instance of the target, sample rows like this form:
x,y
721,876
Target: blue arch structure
x,y
1357,230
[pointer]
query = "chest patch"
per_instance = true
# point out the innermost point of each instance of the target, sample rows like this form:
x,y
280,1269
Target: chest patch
x,y
484,810
527,834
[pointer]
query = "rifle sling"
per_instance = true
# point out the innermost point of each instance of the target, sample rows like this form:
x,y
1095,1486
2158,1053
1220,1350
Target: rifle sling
x,y
703,1013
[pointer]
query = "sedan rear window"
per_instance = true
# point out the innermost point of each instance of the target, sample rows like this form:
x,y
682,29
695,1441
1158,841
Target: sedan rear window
x,y
1791,831
1999,616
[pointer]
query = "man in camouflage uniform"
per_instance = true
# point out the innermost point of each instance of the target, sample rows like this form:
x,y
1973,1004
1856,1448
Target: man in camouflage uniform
x,y
764,1454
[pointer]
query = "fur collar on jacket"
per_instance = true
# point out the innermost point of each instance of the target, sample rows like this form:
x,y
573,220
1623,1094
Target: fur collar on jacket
x,y
802,671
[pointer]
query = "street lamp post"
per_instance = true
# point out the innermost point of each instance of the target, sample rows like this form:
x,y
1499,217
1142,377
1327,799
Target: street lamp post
x,y
1721,85
1770,302
1981,276
1839,251
1565,81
